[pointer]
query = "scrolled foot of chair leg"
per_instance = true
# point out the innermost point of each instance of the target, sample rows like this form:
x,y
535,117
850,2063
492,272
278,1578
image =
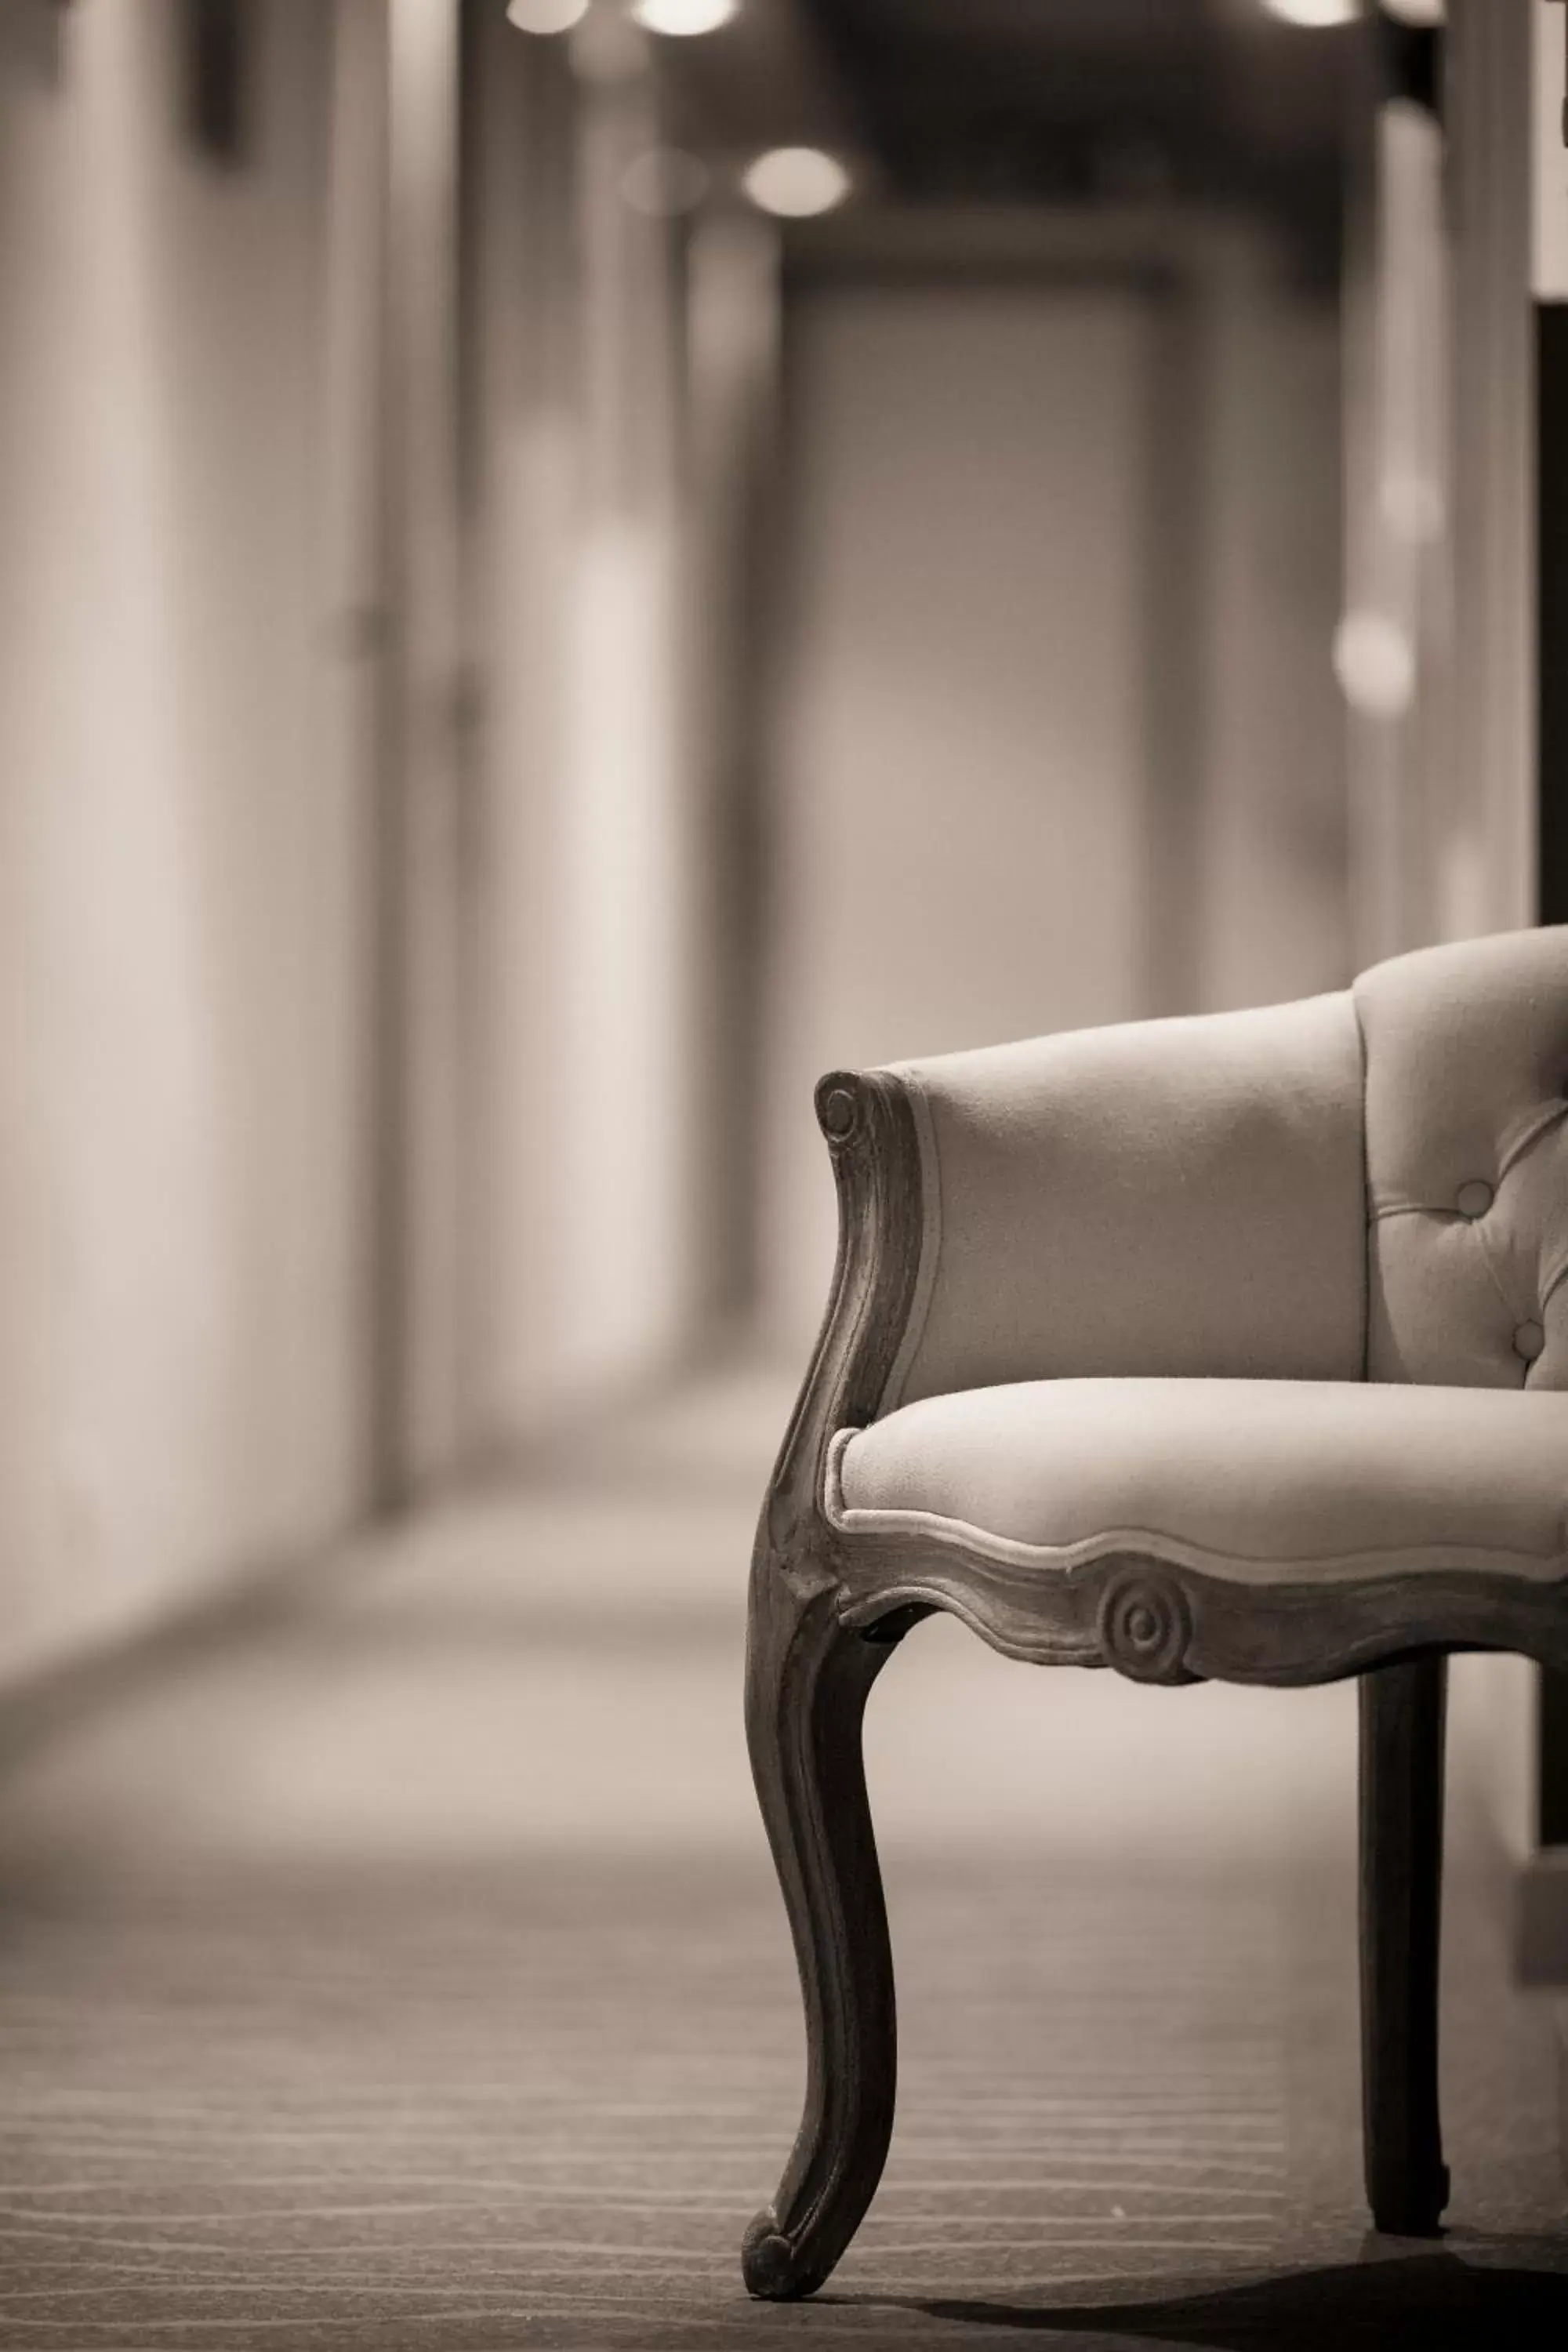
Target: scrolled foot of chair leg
x,y
771,2266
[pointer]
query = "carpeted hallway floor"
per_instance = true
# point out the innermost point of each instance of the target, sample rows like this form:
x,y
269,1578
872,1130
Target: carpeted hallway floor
x,y
396,1964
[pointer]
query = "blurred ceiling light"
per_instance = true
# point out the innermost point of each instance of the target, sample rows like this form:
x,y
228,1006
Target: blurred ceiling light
x,y
545,16
796,182
681,18
1374,663
663,183
1417,12
1316,12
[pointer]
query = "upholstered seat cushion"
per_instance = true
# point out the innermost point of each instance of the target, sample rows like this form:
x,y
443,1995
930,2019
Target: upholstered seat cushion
x,y
1263,1480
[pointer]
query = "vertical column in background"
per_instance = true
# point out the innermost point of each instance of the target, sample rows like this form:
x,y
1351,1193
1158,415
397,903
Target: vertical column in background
x,y
1508,210
1391,652
520,476
589,994
517,443
423,1127
733,323
1549,289
1546,1900
1266,869
1487,860
621,1125
1178,575
356,705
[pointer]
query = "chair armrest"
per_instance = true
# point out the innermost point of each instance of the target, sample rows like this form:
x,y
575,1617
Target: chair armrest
x,y
1165,1197
868,1119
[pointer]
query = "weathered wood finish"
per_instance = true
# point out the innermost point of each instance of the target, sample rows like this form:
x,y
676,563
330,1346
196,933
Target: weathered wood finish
x,y
827,1606
1402,1721
808,1671
807,1682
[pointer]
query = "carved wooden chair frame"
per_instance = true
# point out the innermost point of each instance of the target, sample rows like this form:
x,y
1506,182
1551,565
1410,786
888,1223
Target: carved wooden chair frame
x,y
828,1607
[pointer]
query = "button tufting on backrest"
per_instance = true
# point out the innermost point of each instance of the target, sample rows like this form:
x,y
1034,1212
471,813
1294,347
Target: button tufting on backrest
x,y
1465,1049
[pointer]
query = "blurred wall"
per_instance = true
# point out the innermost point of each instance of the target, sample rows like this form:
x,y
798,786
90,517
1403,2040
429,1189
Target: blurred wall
x,y
388,871
1057,741
1267,876
584,978
183,1186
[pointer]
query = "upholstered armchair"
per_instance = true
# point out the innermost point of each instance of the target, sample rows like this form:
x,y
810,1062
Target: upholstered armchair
x,y
1233,1348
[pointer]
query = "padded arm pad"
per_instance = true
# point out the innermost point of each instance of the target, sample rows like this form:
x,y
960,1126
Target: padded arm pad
x,y
1164,1197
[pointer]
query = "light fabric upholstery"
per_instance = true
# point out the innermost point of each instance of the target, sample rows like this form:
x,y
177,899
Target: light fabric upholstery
x,y
1261,1481
1467,1148
1180,1196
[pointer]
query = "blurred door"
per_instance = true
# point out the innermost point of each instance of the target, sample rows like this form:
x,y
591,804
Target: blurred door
x,y
962,735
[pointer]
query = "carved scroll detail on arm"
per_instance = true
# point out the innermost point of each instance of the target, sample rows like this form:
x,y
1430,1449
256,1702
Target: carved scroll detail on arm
x,y
807,1677
870,1130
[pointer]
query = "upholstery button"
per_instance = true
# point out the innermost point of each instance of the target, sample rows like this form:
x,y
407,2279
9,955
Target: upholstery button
x,y
1529,1341
1474,1199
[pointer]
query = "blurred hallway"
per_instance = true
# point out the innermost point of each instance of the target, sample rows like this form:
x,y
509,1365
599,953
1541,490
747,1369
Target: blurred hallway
x,y
398,1963
564,566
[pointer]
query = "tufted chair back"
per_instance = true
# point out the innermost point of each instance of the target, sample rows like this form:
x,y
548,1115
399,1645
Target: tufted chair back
x,y
1467,1162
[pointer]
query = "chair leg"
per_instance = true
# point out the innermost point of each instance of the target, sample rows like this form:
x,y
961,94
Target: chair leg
x,y
1401,1714
806,1683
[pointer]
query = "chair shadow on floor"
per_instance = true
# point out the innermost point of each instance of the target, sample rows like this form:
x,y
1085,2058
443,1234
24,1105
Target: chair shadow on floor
x,y
1515,2294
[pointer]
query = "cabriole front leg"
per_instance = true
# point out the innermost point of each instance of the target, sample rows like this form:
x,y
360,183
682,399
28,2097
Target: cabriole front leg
x,y
807,1678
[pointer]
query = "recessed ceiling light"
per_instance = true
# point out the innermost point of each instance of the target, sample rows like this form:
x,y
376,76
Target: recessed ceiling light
x,y
682,18
1316,12
796,182
1374,662
546,16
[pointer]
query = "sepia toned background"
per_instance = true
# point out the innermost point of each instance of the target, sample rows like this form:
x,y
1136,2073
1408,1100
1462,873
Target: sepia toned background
x,y
515,657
